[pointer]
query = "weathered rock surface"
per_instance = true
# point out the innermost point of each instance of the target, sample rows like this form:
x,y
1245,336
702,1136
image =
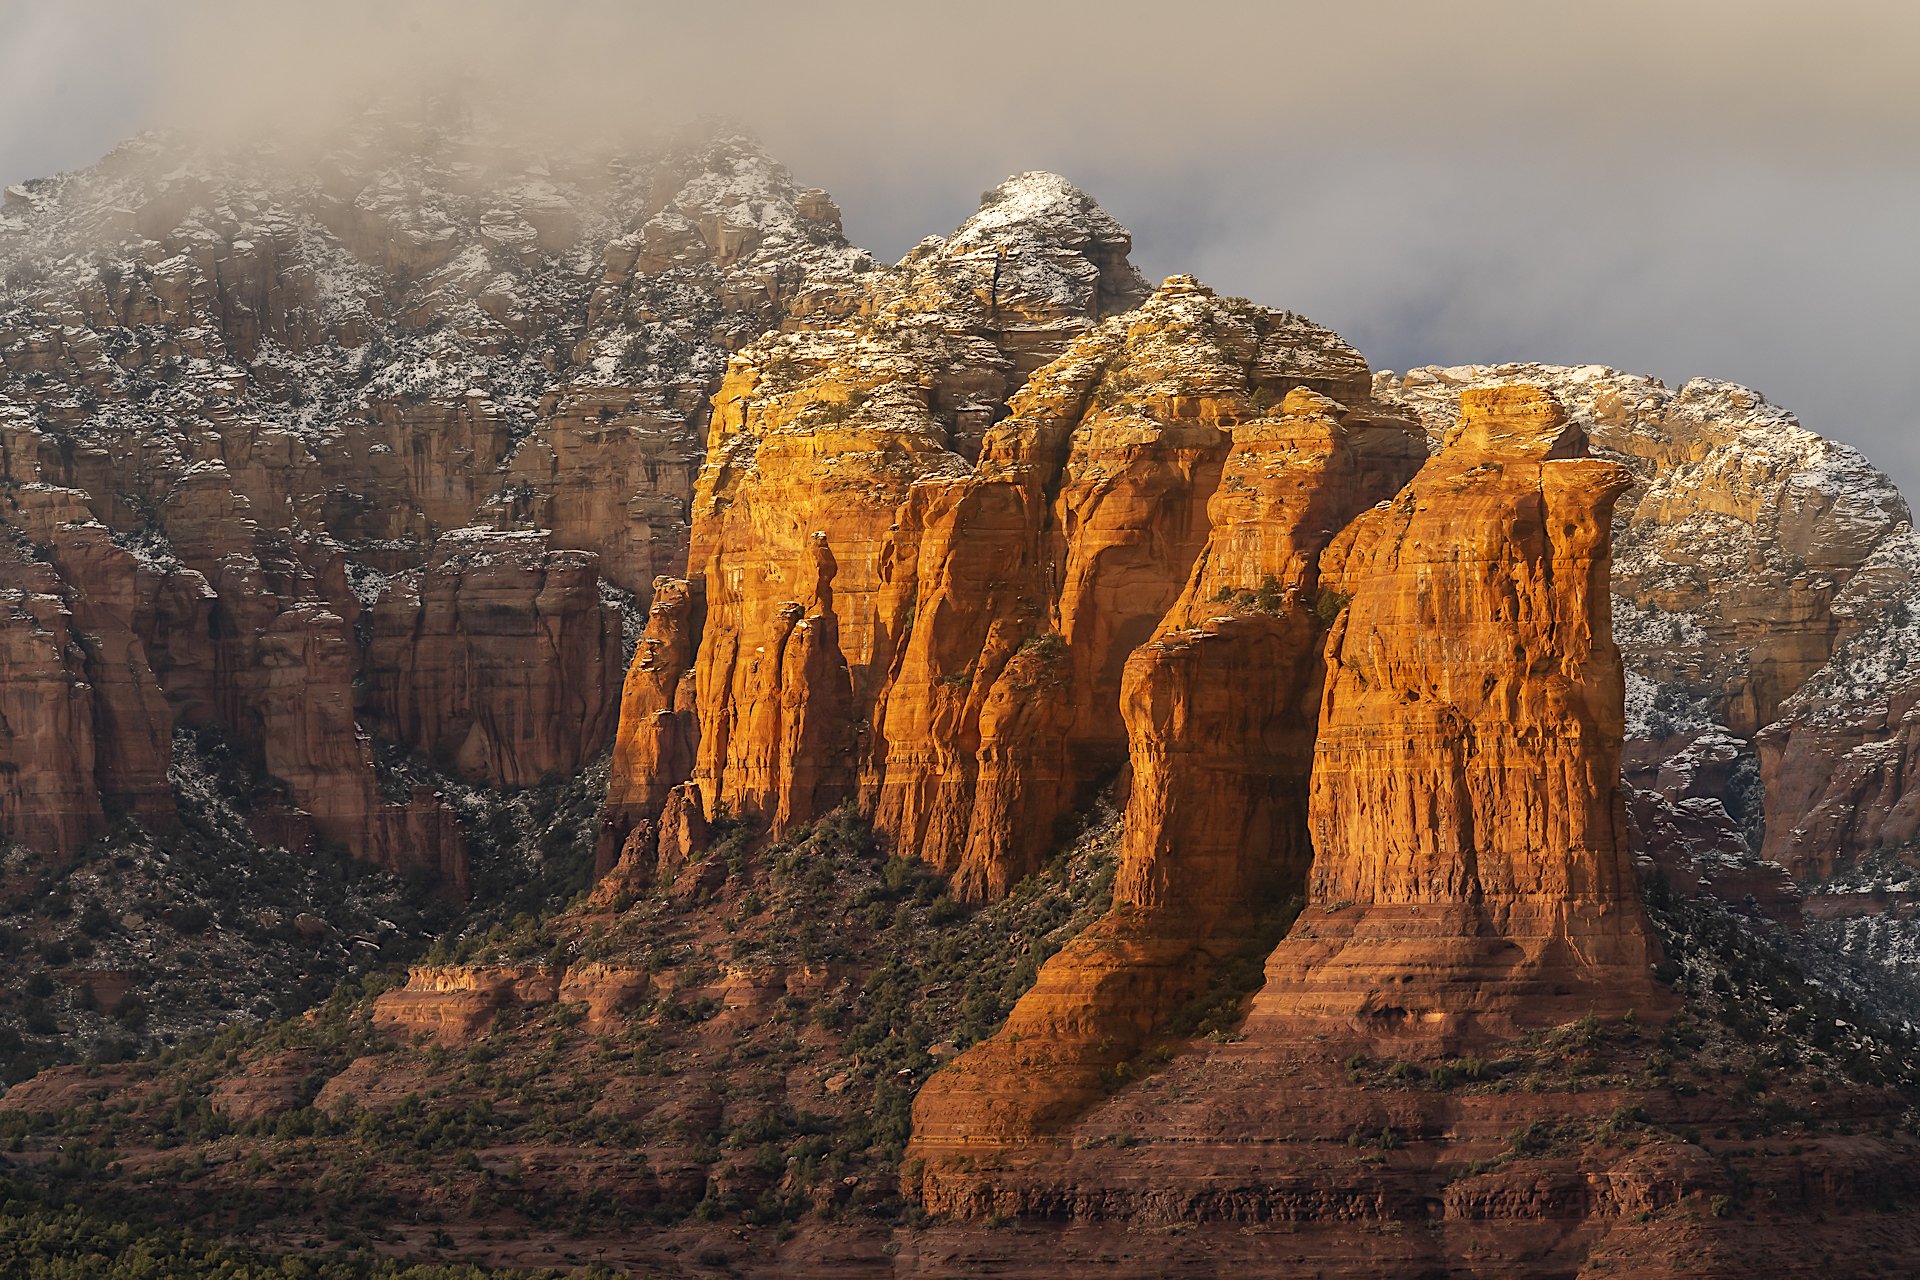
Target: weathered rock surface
x,y
266,390
1734,553
78,596
49,795
1469,878
452,1004
960,631
1220,708
658,730
1022,587
392,449
815,441
1471,866
1471,871
499,655
1839,763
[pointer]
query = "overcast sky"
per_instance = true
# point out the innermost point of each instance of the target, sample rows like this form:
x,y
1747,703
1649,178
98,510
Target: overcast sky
x,y
1723,187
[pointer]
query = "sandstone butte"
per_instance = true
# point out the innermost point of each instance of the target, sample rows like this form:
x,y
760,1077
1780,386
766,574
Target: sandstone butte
x,y
816,439
1763,587
944,642
1467,874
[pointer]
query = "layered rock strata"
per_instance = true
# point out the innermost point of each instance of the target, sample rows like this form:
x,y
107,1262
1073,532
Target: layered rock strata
x,y
1471,873
1735,551
1220,708
815,443
271,390
946,642
500,655
1024,586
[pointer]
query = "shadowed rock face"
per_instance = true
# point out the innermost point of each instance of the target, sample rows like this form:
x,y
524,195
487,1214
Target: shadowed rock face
x,y
1838,766
48,793
262,410
1471,872
499,655
86,726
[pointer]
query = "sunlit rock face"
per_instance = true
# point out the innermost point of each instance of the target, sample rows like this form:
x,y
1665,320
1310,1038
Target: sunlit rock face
x,y
816,440
1471,871
1219,706
1032,579
1764,598
1735,549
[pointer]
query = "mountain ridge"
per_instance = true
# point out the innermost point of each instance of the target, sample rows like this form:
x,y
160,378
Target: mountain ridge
x,y
928,572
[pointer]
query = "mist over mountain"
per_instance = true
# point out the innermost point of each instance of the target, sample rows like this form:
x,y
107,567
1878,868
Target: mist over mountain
x,y
1712,189
834,642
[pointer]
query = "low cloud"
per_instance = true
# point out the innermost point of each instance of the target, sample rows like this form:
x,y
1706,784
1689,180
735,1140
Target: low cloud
x,y
1719,188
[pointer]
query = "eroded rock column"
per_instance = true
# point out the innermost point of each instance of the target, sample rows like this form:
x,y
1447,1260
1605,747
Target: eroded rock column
x,y
1219,707
1471,873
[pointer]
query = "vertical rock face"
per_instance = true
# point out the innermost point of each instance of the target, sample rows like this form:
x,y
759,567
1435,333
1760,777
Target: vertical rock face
x,y
117,604
1457,774
298,705
1733,605
947,641
816,440
612,472
1841,765
85,610
499,655
271,386
1031,580
49,796
1471,872
111,601
1219,708
1221,705
657,730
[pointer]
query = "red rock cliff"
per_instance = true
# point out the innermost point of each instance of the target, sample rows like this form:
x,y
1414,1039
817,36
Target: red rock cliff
x,y
1471,871
1023,587
1220,708
499,655
816,441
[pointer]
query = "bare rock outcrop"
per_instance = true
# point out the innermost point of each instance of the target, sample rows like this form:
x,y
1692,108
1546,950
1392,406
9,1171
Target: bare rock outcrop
x,y
815,441
658,730
1024,586
499,655
1841,765
1735,550
262,389
452,1004
49,795
1471,872
1220,708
